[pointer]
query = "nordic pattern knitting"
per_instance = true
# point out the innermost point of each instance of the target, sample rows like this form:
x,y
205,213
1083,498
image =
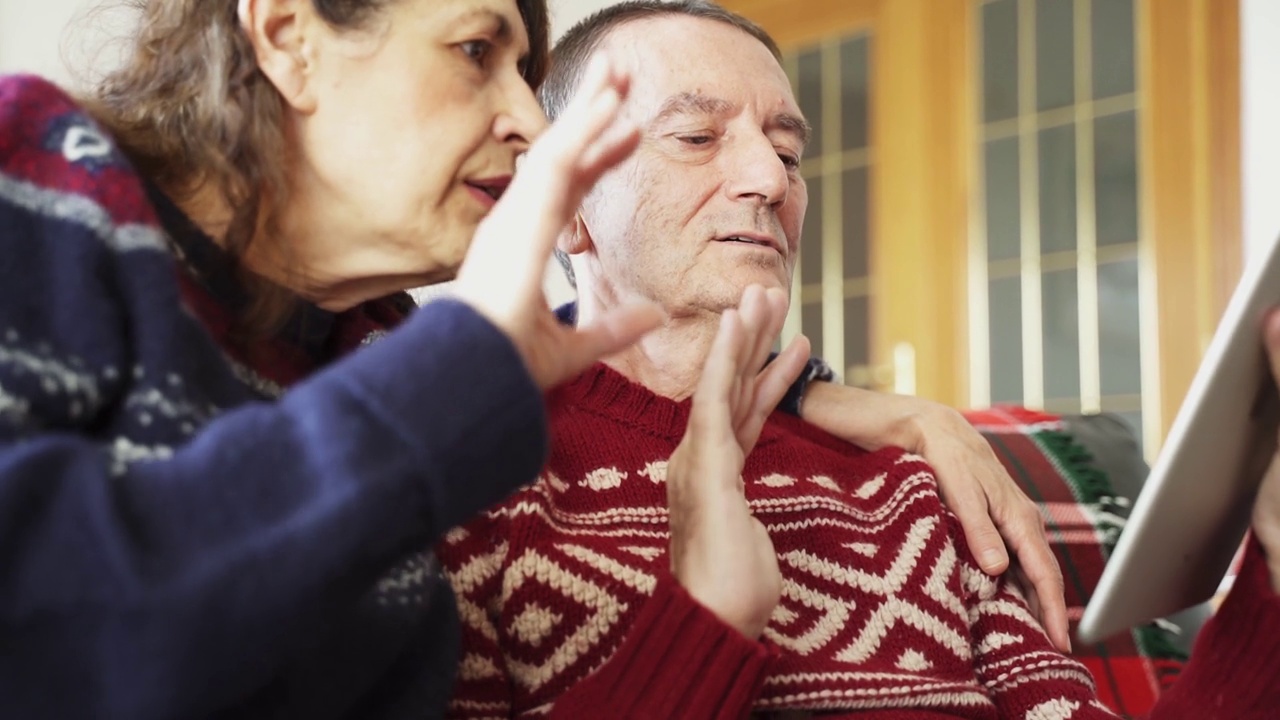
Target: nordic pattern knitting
x,y
882,607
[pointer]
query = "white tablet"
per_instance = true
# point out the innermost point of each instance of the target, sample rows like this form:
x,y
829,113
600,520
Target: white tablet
x,y
1195,506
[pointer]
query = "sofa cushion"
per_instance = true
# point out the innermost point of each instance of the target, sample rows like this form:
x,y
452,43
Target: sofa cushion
x,y
1084,514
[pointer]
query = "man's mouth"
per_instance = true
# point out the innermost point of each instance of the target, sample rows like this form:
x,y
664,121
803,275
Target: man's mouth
x,y
749,241
763,241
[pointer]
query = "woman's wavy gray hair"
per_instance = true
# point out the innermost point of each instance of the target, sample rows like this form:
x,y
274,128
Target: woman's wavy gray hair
x,y
190,109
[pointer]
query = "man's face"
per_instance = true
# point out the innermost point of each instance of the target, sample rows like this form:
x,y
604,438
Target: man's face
x,y
712,201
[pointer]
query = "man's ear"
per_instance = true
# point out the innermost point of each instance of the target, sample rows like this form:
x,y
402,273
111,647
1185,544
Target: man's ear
x,y
576,238
277,29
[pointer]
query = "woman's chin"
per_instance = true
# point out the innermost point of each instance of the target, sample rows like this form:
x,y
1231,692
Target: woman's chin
x,y
440,274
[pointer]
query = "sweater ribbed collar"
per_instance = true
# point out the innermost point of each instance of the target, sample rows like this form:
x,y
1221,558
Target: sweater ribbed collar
x,y
609,394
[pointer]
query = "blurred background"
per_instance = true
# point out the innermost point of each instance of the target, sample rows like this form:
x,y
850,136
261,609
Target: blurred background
x,y
1040,202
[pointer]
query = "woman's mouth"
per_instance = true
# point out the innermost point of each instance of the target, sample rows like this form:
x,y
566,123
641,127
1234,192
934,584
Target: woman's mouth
x,y
488,191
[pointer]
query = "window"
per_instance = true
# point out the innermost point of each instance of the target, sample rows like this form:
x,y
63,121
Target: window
x,y
1056,322
832,295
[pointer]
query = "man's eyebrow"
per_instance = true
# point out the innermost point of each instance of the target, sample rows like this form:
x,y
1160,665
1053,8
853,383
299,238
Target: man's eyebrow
x,y
692,102
698,103
794,124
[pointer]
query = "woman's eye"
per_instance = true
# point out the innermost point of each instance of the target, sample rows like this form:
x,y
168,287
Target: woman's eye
x,y
477,50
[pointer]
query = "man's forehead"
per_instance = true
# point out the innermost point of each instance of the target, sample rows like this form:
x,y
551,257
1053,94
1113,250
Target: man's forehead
x,y
688,43
694,62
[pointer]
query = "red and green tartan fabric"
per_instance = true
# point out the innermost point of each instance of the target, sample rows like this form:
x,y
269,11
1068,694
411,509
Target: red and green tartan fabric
x,y
1078,504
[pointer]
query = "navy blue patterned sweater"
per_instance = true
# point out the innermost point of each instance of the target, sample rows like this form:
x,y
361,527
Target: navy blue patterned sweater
x,y
176,541
191,528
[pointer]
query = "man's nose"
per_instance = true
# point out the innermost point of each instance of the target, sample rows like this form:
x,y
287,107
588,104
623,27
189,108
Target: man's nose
x,y
521,119
759,173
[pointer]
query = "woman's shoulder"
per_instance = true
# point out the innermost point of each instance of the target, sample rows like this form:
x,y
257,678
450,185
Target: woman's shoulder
x,y
29,105
58,163
24,93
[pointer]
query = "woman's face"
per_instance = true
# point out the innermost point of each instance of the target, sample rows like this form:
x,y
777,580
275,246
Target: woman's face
x,y
403,133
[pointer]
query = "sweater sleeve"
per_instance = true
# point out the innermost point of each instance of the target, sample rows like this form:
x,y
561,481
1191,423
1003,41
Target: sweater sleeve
x,y
193,575
678,661
170,579
1234,670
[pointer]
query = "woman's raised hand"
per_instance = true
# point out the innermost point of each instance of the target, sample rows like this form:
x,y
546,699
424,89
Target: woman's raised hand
x,y
502,275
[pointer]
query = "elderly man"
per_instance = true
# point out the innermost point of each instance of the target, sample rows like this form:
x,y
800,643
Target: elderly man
x,y
686,558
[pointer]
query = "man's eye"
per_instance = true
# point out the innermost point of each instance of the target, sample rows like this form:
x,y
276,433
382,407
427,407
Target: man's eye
x,y
791,162
695,139
477,50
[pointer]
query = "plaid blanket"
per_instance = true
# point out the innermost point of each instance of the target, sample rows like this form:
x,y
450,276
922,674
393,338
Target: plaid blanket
x,y
1079,507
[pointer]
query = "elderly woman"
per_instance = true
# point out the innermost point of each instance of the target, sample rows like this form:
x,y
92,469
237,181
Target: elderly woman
x,y
213,498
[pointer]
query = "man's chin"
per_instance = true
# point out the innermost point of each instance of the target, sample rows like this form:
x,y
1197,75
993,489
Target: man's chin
x,y
764,277
731,295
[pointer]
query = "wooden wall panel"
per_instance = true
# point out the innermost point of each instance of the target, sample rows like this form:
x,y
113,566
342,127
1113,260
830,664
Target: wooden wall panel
x,y
799,22
1190,137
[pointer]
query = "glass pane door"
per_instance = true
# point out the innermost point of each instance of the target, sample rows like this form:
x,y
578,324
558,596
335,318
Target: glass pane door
x,y
832,294
1056,318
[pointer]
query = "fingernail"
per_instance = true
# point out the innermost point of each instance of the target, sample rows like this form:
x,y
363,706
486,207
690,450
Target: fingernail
x,y
991,559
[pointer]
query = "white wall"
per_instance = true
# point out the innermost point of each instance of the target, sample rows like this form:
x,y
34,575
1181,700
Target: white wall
x,y
564,13
31,35
60,39
1260,118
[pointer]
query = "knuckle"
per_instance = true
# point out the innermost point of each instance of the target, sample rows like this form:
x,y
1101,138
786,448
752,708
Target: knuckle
x,y
1029,512
946,418
987,534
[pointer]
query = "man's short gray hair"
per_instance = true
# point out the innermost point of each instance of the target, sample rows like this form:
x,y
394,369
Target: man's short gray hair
x,y
570,56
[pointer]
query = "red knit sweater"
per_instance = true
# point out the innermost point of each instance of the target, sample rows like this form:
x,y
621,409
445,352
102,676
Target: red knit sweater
x,y
569,607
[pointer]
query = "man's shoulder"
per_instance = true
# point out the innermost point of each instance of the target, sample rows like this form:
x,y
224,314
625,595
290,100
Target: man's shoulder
x,y
813,449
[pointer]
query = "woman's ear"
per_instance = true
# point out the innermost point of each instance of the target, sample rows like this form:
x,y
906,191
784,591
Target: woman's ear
x,y
576,238
278,31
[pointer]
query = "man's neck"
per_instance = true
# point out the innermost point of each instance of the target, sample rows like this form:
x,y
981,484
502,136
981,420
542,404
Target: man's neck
x,y
667,361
